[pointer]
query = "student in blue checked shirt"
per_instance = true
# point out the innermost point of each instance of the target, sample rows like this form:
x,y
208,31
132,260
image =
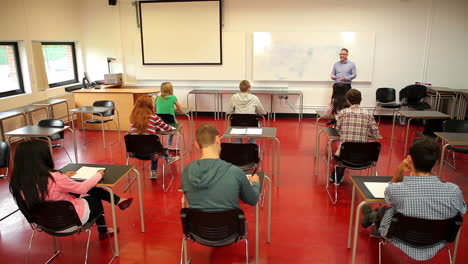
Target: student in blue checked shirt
x,y
420,195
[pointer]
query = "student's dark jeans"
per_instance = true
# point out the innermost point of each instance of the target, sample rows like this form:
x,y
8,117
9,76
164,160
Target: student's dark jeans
x,y
95,198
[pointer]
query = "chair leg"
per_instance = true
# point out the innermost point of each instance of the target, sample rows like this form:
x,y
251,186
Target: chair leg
x,y
246,251
30,246
184,250
380,252
66,152
449,254
87,245
56,251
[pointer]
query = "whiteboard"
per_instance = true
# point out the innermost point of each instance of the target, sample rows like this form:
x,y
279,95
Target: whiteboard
x,y
309,56
233,67
180,32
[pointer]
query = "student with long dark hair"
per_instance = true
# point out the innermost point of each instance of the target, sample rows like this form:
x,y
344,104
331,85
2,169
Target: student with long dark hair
x,y
34,180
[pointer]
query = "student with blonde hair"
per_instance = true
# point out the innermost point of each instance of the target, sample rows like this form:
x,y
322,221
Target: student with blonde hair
x,y
145,121
167,104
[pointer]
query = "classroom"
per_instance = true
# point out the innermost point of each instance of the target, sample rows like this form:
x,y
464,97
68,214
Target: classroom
x,y
233,131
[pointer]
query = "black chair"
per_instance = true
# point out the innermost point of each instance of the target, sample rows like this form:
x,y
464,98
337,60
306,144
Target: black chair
x,y
355,156
4,158
144,147
386,98
58,219
245,156
213,229
55,123
167,118
245,120
455,126
422,233
430,127
103,115
413,96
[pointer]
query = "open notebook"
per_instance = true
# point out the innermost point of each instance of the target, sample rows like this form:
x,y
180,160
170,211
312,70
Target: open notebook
x,y
246,131
85,173
377,188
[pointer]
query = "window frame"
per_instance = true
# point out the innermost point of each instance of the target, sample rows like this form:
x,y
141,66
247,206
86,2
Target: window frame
x,y
75,65
18,70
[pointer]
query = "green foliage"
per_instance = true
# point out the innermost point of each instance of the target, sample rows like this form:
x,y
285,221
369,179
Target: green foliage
x,y
3,55
54,52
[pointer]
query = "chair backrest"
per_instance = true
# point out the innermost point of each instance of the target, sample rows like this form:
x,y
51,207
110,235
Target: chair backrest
x,y
359,155
415,92
418,232
105,103
431,126
4,155
456,126
167,118
244,120
54,216
143,144
56,123
213,228
240,154
385,95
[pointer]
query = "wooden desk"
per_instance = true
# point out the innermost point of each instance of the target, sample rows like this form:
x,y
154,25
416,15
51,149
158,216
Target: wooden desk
x,y
124,99
113,175
358,183
450,139
7,115
49,103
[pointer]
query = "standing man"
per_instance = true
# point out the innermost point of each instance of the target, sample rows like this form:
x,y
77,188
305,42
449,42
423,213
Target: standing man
x,y
344,71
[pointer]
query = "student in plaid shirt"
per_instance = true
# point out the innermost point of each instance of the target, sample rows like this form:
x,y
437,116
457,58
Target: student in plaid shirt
x,y
421,195
355,124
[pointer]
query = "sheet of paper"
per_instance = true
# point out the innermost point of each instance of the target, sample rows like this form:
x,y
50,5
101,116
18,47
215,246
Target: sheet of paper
x,y
377,188
85,173
254,131
238,131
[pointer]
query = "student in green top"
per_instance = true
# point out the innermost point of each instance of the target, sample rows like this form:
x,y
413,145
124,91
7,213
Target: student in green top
x,y
167,104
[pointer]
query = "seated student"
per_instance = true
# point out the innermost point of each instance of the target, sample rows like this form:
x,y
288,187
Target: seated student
x,y
337,102
421,195
167,104
211,183
144,120
34,180
355,124
246,103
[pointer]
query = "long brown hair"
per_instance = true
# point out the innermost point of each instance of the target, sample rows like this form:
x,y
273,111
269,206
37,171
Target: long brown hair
x,y
143,109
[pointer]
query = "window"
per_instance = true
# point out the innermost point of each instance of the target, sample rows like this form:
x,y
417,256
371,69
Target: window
x,y
60,63
11,79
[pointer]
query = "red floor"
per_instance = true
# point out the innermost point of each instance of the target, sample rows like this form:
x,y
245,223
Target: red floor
x,y
306,227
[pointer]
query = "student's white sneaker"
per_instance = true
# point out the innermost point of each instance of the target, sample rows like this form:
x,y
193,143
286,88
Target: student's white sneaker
x,y
153,175
172,159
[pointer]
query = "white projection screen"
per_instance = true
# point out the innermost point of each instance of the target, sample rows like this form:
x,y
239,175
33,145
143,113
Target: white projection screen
x,y
181,32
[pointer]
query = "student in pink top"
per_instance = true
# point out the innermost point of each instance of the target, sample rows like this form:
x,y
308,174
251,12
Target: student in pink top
x,y
34,180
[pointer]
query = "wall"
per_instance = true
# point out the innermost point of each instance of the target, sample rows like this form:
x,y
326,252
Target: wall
x,y
32,20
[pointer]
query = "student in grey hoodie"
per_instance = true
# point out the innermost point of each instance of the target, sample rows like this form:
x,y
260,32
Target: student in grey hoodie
x,y
246,103
213,184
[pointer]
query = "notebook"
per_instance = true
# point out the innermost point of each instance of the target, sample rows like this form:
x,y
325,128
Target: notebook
x,y
85,173
377,188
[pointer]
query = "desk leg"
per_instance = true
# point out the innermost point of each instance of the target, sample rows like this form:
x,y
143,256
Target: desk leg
x,y
3,130
317,136
278,153
68,112
114,220
196,105
118,123
351,212
140,198
257,245
102,129
407,135
317,157
301,105
269,209
393,129
50,144
442,156
455,247
181,152
74,144
356,226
